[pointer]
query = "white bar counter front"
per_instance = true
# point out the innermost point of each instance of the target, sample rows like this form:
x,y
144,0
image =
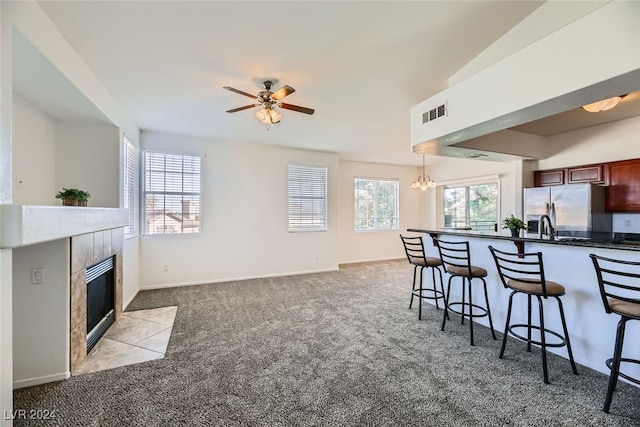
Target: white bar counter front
x,y
591,330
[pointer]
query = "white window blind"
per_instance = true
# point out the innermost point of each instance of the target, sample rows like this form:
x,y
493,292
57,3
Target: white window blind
x,y
132,188
307,198
171,193
375,204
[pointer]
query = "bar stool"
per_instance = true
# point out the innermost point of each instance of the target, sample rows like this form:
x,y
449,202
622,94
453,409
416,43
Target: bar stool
x,y
414,248
619,283
524,273
456,259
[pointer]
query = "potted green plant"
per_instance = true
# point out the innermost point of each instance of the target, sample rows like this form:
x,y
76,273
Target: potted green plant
x,y
73,197
514,224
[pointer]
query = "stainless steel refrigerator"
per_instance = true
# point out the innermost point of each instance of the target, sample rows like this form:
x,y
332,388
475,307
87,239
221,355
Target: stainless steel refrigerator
x,y
575,210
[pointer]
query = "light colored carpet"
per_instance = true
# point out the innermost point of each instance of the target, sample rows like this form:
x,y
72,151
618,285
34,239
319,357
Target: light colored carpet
x,y
330,349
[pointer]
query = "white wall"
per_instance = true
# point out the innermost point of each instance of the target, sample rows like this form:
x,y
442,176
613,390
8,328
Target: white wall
x,y
34,152
88,157
244,227
596,144
41,320
368,246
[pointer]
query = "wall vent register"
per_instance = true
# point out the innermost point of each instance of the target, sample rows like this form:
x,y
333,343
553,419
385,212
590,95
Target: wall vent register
x,y
434,113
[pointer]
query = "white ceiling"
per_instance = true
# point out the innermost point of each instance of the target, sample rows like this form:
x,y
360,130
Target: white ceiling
x,y
361,65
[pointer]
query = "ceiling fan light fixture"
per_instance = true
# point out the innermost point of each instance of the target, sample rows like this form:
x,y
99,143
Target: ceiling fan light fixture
x,y
268,116
275,116
604,105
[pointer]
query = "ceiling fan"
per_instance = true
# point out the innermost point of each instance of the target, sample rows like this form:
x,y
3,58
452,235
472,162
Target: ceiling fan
x,y
268,100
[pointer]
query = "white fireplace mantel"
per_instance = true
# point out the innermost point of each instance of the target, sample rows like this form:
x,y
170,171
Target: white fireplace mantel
x,y
23,225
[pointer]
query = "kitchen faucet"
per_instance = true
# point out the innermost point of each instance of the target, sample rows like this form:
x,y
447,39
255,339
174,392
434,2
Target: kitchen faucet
x,y
550,231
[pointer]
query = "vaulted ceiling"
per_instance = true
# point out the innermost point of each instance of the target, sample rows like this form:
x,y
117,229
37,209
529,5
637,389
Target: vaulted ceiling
x,y
361,65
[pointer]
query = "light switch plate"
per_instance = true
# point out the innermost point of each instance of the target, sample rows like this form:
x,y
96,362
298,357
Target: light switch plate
x,y
37,276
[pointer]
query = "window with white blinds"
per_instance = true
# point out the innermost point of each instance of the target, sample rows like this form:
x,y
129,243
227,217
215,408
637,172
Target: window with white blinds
x,y
171,193
132,188
307,198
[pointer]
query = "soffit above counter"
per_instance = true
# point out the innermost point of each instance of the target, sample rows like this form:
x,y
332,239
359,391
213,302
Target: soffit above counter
x,y
553,75
23,225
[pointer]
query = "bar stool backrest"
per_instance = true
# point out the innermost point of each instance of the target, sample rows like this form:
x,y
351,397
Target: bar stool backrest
x,y
454,254
617,279
414,248
527,268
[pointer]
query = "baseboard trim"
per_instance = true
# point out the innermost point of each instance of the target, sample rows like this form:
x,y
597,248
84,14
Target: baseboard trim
x,y
233,279
126,304
41,380
364,261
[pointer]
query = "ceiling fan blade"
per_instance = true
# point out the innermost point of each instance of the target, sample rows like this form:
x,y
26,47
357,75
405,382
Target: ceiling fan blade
x,y
297,108
282,92
239,91
241,108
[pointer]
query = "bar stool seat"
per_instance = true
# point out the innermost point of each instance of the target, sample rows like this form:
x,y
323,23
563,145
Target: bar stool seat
x,y
414,249
456,259
524,274
552,288
619,283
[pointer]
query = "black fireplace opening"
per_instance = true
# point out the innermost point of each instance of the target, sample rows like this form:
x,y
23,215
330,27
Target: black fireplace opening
x,y
100,300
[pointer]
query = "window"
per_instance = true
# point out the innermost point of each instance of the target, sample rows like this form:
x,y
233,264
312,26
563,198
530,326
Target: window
x,y
307,198
375,204
131,188
171,193
471,206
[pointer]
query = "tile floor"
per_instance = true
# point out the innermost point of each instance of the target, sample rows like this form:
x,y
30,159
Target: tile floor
x,y
137,336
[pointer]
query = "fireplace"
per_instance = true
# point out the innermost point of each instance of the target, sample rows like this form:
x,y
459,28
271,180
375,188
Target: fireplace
x,y
97,254
100,300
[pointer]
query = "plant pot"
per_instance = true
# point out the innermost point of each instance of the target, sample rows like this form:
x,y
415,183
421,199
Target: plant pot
x,y
515,233
73,202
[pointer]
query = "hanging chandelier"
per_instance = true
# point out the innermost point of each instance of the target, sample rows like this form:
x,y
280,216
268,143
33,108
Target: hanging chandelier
x,y
423,181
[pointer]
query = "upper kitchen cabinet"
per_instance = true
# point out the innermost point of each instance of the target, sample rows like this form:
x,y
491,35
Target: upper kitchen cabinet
x,y
548,177
593,174
623,191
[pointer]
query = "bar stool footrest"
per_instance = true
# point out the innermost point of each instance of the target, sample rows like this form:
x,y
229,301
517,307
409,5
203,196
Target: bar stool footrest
x,y
436,294
609,362
562,343
483,311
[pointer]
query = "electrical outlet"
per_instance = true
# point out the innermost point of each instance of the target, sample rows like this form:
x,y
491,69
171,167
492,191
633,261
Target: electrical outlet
x,y
627,223
165,267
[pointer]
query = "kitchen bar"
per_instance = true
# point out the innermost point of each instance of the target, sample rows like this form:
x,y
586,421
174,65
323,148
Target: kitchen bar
x,y
591,330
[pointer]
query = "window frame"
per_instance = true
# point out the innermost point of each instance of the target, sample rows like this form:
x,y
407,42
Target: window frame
x,y
146,192
131,187
486,180
376,207
323,224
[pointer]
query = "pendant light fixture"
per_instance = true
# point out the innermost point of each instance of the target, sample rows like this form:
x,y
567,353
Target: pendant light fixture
x,y
423,181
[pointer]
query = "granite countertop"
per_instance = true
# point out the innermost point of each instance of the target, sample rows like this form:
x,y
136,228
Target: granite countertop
x,y
628,242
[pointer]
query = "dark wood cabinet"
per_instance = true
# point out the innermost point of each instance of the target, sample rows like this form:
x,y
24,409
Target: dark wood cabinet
x,y
621,179
623,189
590,173
548,177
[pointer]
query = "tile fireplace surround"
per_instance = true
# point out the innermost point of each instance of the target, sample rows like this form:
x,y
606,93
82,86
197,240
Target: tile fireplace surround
x,y
86,250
